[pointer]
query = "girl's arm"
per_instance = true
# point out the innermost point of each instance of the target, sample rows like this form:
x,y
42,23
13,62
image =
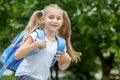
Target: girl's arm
x,y
64,60
28,46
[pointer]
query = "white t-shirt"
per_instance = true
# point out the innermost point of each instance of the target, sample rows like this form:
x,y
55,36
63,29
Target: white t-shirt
x,y
38,65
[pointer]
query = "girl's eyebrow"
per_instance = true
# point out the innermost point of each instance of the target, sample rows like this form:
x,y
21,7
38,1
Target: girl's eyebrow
x,y
57,16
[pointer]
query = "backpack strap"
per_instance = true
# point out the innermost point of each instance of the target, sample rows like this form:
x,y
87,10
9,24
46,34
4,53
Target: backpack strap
x,y
40,34
61,43
60,47
10,49
5,66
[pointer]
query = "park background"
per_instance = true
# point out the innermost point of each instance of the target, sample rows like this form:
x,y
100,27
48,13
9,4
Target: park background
x,y
95,33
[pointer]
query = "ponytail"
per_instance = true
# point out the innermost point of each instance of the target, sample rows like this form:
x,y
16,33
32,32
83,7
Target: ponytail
x,y
34,22
65,32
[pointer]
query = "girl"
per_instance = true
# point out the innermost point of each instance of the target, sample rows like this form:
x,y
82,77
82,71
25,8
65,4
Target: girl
x,y
54,21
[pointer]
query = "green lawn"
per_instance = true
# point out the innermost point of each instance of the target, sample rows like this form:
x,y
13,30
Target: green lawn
x,y
7,78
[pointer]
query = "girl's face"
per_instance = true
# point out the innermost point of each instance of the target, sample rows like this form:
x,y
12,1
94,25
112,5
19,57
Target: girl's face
x,y
53,19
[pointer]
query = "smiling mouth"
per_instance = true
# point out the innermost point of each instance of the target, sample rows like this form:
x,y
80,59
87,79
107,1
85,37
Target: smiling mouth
x,y
54,25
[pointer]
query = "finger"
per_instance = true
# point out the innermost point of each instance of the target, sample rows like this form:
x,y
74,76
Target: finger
x,y
59,58
59,52
62,53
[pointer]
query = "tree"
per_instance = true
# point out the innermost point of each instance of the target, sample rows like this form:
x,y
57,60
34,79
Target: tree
x,y
98,29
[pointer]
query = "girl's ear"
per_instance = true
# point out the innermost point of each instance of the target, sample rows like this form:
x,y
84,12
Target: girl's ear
x,y
42,20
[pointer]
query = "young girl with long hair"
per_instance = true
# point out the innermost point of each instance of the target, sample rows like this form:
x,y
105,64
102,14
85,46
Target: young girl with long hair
x,y
53,20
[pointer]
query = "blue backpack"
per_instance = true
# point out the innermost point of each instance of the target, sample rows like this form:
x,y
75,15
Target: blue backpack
x,y
8,54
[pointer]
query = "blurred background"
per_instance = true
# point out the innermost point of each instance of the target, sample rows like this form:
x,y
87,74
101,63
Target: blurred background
x,y
95,33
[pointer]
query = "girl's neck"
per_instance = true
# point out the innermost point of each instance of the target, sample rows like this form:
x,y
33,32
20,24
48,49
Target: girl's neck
x,y
50,35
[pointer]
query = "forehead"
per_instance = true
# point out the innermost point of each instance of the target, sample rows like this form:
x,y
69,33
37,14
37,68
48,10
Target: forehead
x,y
54,11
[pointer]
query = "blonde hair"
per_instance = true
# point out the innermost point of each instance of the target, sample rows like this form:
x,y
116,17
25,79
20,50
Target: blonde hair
x,y
64,31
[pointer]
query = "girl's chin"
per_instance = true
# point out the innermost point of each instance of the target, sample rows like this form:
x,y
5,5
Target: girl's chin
x,y
54,29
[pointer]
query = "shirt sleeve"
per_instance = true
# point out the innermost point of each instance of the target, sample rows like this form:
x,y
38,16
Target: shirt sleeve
x,y
33,35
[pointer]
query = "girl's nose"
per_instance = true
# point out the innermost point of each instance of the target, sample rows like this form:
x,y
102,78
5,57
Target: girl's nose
x,y
55,20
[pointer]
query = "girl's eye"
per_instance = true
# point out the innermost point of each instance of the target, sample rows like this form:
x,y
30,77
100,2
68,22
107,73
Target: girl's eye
x,y
59,18
51,17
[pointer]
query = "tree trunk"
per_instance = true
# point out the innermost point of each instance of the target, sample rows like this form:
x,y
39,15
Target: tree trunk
x,y
106,65
106,71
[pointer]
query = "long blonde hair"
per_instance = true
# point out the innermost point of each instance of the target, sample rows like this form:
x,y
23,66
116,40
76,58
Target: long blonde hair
x,y
64,31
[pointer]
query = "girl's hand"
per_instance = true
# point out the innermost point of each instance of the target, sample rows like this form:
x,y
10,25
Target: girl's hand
x,y
41,43
63,57
64,60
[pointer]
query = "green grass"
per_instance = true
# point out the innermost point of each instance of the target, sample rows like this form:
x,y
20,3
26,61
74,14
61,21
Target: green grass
x,y
7,78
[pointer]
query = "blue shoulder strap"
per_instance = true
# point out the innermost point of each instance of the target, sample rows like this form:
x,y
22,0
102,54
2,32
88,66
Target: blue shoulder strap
x,y
60,46
40,34
61,43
